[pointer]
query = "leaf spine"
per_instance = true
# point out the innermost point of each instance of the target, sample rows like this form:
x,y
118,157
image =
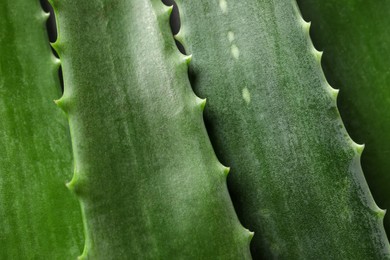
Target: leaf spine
x,y
75,184
45,16
61,103
169,10
56,62
58,102
318,54
201,102
166,12
333,92
85,250
71,185
381,213
250,234
57,46
226,170
306,25
188,59
180,36
359,148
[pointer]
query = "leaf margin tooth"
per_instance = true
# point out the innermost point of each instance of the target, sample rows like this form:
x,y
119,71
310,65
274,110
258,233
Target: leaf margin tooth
x,y
62,103
226,171
57,46
334,92
359,147
318,54
179,36
306,25
45,16
381,213
169,10
251,234
201,102
165,12
188,59
56,62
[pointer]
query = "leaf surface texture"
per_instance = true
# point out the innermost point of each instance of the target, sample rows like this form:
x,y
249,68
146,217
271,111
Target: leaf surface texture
x,y
356,37
39,217
147,178
296,179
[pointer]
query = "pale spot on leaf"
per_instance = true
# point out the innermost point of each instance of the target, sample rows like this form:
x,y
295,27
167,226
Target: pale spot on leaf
x,y
235,51
246,95
223,5
231,36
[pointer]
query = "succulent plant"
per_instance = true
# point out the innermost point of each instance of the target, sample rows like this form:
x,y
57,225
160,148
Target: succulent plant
x,y
145,172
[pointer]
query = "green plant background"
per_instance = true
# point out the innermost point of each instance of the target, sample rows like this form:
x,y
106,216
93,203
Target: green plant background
x,y
148,180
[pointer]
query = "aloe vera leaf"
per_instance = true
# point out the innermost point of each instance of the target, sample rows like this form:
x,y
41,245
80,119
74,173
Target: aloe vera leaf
x,y
149,183
356,37
296,179
39,217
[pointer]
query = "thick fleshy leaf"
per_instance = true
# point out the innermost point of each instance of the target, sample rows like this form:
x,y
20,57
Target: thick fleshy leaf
x,y
147,178
356,37
39,217
296,178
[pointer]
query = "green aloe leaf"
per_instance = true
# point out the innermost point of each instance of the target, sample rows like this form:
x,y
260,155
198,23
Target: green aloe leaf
x,y
296,178
39,217
356,37
149,183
